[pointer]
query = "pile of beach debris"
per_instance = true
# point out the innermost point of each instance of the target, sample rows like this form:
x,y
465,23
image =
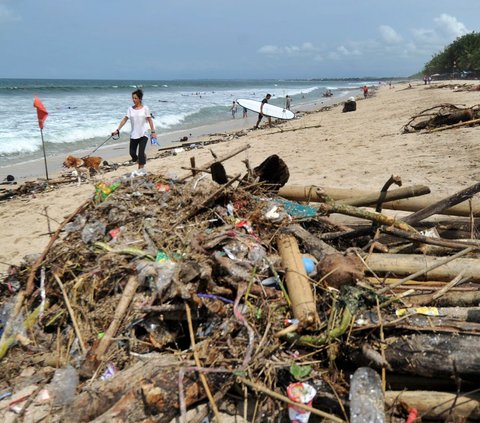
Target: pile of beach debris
x,y
443,116
160,296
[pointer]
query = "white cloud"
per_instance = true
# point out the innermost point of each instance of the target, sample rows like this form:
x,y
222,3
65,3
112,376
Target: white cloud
x,y
270,50
450,26
447,28
306,48
350,50
389,35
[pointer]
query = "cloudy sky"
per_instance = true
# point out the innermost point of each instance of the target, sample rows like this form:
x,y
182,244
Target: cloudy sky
x,y
177,39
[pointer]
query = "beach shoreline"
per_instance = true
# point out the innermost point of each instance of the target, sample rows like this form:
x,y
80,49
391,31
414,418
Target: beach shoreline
x,y
117,151
357,150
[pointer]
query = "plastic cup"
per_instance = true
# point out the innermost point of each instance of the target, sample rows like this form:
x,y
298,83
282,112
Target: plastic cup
x,y
302,393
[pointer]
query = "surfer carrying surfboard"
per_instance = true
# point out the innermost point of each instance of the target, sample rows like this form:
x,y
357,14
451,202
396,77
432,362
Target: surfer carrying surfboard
x,y
260,115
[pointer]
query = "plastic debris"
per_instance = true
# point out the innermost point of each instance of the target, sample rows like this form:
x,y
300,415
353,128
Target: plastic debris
x,y
302,393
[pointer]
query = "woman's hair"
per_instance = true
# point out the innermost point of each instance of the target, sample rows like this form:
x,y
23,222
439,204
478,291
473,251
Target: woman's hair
x,y
138,93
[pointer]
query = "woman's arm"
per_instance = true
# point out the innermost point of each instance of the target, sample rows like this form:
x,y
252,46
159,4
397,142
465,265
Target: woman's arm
x,y
122,122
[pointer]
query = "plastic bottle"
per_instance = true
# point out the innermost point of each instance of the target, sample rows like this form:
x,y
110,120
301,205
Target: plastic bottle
x,y
93,232
63,386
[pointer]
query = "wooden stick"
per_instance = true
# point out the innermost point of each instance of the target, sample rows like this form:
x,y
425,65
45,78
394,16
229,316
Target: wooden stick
x,y
456,125
273,394
96,354
458,245
38,262
72,314
197,362
212,197
440,206
448,286
221,159
331,206
192,165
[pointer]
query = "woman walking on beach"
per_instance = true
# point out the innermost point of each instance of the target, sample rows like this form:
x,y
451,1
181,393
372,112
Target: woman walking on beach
x,y
140,121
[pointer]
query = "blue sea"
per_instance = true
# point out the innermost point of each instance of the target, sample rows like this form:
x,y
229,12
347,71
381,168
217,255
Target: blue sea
x,y
83,113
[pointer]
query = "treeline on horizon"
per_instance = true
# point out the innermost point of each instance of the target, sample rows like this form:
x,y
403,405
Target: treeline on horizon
x,y
461,58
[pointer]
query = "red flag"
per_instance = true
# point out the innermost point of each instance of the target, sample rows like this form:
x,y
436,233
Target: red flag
x,y
41,111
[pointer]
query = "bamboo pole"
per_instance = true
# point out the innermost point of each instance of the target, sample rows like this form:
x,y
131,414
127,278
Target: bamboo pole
x,y
437,405
433,268
310,193
299,289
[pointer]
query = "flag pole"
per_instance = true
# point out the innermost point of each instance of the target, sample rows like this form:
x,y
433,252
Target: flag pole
x,y
44,155
42,115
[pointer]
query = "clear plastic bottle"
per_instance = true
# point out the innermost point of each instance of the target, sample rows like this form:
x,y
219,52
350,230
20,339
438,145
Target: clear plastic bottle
x,y
64,386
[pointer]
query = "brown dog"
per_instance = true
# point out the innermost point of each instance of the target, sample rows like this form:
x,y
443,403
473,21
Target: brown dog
x,y
82,165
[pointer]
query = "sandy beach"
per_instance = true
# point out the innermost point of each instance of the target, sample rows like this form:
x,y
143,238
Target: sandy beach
x,y
328,148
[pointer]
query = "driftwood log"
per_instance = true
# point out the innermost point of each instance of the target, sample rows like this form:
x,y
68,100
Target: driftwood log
x,y
435,355
145,390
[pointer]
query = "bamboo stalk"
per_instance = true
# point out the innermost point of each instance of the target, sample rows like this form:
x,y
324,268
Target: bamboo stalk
x,y
299,289
314,194
427,264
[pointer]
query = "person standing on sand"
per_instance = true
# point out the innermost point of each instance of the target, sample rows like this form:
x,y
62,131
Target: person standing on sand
x,y
233,109
140,121
288,102
260,115
245,111
365,91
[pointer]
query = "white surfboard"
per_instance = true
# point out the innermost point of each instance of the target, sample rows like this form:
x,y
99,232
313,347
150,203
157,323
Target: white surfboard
x,y
268,109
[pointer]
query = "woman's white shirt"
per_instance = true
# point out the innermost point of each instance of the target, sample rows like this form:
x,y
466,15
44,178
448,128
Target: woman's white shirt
x,y
138,120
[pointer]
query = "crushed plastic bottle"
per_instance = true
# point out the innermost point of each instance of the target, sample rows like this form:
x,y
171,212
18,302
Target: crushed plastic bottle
x,y
366,397
63,386
5,312
94,231
102,190
76,224
165,272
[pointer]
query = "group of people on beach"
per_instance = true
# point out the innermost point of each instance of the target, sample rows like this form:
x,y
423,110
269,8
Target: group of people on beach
x,y
143,128
233,110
